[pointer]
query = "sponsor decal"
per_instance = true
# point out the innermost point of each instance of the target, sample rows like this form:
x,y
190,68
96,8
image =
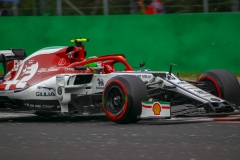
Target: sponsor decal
x,y
187,85
190,88
59,90
48,88
23,75
208,95
215,99
48,106
144,76
43,94
62,61
44,90
99,87
69,69
182,82
7,53
38,106
82,85
6,92
59,78
100,84
200,92
156,108
46,70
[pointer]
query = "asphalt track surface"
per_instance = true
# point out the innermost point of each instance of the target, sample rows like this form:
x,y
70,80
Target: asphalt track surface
x,y
28,137
97,138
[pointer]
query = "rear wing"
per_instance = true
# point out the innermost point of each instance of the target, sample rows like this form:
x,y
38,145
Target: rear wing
x,y
12,54
9,55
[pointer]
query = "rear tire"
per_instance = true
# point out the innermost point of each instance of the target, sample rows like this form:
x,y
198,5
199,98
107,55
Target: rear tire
x,y
225,83
122,98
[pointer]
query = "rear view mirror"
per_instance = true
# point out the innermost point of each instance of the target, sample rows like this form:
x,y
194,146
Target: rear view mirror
x,y
142,64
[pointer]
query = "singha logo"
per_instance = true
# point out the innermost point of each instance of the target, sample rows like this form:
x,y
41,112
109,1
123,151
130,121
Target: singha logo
x,y
100,82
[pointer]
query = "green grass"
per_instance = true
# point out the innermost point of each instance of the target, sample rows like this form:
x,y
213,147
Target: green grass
x,y
192,76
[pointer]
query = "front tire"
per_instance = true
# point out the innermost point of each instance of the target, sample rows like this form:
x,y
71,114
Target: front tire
x,y
122,98
224,84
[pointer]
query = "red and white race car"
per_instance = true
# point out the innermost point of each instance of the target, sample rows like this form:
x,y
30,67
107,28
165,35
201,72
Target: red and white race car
x,y
61,80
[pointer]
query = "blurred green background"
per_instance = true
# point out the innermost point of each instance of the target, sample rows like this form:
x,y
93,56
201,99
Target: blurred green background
x,y
195,42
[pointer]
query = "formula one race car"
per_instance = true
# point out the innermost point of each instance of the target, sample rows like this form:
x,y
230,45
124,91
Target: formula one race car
x,y
61,80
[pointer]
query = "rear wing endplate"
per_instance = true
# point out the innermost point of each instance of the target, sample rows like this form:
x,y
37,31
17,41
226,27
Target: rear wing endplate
x,y
12,54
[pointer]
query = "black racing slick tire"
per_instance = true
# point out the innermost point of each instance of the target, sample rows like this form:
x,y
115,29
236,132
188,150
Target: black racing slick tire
x,y
122,98
224,83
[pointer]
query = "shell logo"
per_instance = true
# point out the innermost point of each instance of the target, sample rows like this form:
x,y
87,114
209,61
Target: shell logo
x,y
156,108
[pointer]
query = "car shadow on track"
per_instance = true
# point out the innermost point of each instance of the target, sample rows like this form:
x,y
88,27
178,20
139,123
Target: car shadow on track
x,y
93,119
173,122
32,118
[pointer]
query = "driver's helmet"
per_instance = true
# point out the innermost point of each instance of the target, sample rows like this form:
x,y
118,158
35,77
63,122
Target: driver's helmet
x,y
94,64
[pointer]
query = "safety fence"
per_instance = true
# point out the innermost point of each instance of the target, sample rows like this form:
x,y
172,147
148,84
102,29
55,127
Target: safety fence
x,y
111,7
